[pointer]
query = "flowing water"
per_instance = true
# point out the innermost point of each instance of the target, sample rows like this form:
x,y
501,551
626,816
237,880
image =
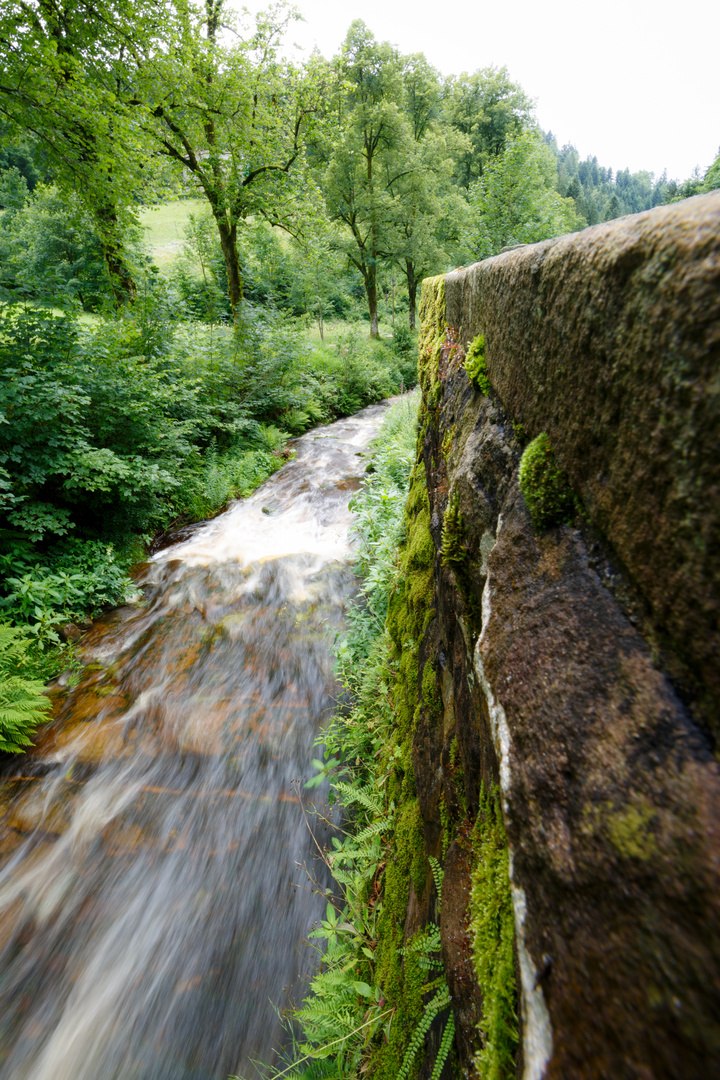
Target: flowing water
x,y
152,899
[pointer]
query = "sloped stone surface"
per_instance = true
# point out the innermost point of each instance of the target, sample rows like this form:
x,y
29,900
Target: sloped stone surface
x,y
609,341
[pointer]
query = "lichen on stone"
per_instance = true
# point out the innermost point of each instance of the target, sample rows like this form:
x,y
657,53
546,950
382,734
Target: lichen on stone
x,y
630,831
544,485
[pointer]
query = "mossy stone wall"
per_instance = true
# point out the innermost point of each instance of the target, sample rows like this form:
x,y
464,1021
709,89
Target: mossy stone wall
x,y
607,341
577,657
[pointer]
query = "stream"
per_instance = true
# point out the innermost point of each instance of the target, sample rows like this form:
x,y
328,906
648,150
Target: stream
x,y
153,901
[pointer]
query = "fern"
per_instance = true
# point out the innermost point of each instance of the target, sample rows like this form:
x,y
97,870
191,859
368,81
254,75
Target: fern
x,y
22,703
425,946
445,1047
433,1008
362,795
438,873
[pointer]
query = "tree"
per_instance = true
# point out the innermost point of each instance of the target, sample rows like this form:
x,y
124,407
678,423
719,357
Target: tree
x,y
430,213
49,250
110,86
488,108
371,154
63,80
235,117
516,201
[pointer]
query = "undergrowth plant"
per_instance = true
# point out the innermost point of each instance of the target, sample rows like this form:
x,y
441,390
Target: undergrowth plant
x,y
22,704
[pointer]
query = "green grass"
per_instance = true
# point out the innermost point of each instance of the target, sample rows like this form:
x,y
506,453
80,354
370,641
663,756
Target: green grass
x,y
165,225
336,330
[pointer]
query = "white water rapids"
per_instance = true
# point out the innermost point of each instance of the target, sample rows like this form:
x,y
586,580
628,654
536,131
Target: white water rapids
x,y
151,843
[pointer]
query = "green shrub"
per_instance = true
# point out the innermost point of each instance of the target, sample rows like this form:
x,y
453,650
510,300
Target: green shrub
x,y
544,485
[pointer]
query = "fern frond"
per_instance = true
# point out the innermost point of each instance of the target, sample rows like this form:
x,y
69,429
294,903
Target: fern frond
x,y
363,795
445,1046
432,1009
438,874
22,707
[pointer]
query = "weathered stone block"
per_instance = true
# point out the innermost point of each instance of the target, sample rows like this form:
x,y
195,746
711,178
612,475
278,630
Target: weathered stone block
x,y
609,341
580,665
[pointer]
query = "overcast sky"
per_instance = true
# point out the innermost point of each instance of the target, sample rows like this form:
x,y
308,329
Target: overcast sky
x,y
635,83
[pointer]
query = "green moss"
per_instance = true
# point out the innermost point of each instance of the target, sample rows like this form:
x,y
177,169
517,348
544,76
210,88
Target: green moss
x,y
448,827
448,440
431,697
399,975
432,331
410,611
520,433
544,485
630,833
492,932
452,550
475,364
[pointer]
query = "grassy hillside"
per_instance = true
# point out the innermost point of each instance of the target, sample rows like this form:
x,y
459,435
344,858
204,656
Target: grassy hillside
x,y
165,226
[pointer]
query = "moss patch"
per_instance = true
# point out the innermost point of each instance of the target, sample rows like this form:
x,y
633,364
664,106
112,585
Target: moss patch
x,y
492,931
630,832
452,550
475,364
544,485
410,611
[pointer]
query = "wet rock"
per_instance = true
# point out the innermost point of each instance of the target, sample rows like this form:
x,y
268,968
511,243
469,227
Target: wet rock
x,y
71,633
608,340
612,806
578,666
457,960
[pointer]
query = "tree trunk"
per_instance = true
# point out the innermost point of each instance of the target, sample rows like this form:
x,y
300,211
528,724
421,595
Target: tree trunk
x,y
228,243
412,284
371,290
121,279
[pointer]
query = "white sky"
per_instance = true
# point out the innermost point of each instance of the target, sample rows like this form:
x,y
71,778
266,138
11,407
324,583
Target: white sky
x,y
635,82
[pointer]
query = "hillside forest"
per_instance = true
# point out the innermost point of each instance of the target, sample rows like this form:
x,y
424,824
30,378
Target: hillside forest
x,y
142,390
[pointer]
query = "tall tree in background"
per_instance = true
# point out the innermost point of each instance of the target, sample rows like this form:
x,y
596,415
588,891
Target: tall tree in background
x,y
235,117
111,85
488,108
62,81
516,201
430,211
370,155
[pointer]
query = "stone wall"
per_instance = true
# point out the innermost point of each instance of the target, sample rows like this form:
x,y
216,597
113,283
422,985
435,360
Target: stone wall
x,y
578,667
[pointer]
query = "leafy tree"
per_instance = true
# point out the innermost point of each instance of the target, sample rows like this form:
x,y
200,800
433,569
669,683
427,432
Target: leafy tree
x,y
711,181
515,201
64,78
431,215
488,108
695,184
112,85
13,189
235,117
370,155
50,250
